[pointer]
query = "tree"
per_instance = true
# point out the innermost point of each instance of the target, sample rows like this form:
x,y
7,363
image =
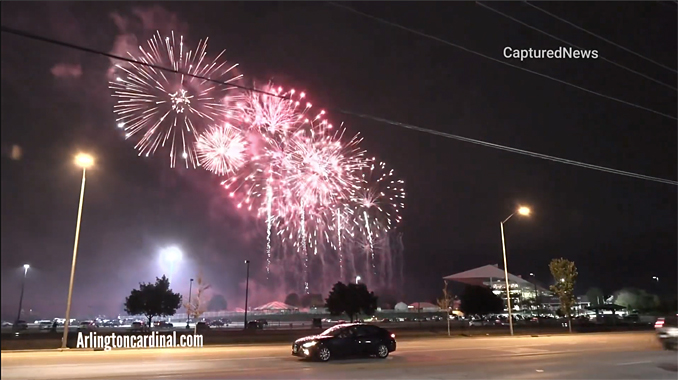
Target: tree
x,y
312,300
480,300
292,299
217,303
596,296
445,302
153,300
197,304
387,300
565,276
351,300
636,299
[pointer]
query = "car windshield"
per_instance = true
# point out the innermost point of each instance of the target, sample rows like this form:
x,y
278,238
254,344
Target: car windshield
x,y
332,331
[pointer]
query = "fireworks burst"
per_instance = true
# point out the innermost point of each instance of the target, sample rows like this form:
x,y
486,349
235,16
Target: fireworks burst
x,y
221,150
171,109
320,169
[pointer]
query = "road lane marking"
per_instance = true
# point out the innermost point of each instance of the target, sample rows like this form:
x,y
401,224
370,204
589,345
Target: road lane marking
x,y
634,363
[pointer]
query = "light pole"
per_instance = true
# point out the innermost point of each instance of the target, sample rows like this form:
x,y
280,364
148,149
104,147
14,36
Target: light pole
x,y
247,289
188,310
357,279
21,298
522,211
84,161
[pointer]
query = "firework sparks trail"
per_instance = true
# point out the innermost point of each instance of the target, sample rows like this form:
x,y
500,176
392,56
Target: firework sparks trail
x,y
269,227
170,109
221,150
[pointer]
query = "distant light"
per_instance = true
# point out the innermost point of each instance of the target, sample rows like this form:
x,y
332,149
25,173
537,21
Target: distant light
x,y
171,254
524,211
26,266
121,125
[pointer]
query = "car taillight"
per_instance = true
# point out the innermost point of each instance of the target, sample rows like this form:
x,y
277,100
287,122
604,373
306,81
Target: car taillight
x,y
392,335
659,324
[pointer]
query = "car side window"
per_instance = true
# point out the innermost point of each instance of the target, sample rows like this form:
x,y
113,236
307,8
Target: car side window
x,y
362,331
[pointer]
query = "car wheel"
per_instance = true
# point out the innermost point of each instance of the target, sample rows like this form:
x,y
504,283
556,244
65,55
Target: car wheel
x,y
324,354
382,351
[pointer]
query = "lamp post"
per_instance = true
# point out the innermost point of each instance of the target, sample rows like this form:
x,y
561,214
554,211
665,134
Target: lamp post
x,y
84,161
188,309
247,289
525,212
21,298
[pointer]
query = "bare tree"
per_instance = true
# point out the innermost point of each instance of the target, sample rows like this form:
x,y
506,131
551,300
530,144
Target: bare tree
x,y
198,304
445,302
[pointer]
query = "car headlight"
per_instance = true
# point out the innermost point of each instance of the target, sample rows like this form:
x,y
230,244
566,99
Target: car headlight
x,y
309,344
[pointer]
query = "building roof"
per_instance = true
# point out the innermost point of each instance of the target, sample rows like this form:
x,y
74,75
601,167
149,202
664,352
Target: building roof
x,y
276,305
482,274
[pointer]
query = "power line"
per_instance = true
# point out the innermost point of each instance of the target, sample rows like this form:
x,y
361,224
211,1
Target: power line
x,y
515,150
350,113
571,44
390,23
600,37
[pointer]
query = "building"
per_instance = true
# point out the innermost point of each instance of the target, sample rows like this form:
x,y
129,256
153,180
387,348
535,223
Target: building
x,y
525,294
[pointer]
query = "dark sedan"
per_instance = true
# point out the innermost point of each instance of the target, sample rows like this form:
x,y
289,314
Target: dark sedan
x,y
345,340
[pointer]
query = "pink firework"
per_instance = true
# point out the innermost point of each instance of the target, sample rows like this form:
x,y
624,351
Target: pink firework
x,y
277,114
319,169
221,150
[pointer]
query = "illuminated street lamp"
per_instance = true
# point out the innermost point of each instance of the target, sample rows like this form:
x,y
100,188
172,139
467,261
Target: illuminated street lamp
x,y
524,211
21,298
84,161
357,279
655,278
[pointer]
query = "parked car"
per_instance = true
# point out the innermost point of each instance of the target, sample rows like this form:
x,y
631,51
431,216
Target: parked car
x,y
87,326
137,326
201,326
667,332
163,325
45,325
346,340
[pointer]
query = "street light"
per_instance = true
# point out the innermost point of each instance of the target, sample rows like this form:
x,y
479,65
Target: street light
x,y
21,298
190,289
247,289
655,278
171,255
525,211
357,279
84,161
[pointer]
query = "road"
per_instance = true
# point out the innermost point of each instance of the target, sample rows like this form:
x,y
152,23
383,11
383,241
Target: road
x,y
581,356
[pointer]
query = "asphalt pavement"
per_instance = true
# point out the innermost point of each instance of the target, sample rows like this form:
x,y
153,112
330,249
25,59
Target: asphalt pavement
x,y
578,356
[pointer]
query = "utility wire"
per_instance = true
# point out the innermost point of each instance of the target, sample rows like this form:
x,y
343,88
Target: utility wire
x,y
600,37
390,23
351,113
573,45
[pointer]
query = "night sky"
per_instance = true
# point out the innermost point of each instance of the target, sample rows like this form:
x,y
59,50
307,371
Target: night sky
x,y
619,231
